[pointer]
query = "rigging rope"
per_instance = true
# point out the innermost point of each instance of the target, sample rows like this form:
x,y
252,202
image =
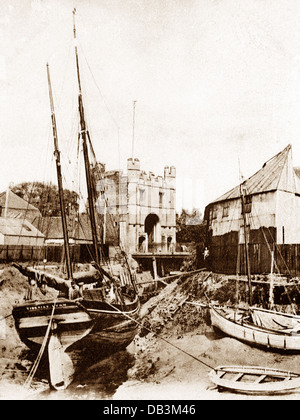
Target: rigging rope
x,y
250,215
40,354
4,317
162,338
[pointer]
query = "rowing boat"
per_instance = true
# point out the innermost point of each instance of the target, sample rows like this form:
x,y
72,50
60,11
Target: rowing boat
x,y
254,380
239,325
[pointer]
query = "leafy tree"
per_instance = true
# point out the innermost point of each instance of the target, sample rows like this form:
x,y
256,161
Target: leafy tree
x,y
45,197
191,230
190,227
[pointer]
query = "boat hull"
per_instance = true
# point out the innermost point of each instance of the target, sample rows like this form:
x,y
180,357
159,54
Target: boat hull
x,y
115,326
254,380
98,326
252,334
77,334
32,319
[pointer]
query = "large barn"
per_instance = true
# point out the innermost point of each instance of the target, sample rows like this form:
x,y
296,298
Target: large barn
x,y
272,210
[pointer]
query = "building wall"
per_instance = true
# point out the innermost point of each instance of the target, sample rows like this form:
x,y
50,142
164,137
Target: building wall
x,y
129,199
288,218
23,240
226,234
226,216
274,217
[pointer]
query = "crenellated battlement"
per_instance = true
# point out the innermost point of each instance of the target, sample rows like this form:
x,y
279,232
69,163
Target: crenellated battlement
x,y
134,170
133,164
143,204
170,172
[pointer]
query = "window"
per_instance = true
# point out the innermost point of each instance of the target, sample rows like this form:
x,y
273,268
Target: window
x,y
161,197
142,195
214,212
247,203
225,209
26,227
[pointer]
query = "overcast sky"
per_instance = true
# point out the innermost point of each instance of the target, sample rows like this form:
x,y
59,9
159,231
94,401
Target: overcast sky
x,y
217,85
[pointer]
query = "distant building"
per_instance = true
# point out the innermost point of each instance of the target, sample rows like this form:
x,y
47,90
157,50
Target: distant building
x,y
138,209
79,229
272,208
14,231
13,206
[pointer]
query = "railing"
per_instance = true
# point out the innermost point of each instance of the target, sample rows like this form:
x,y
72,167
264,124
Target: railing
x,y
164,248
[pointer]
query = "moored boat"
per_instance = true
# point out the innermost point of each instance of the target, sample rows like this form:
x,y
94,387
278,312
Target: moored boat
x,y
255,380
95,311
32,318
239,325
257,326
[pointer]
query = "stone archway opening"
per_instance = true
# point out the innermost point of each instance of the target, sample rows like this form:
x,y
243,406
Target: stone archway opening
x,y
151,228
142,246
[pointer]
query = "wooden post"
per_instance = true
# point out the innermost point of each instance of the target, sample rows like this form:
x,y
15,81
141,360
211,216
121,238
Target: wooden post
x,y
296,256
271,294
154,268
247,260
162,268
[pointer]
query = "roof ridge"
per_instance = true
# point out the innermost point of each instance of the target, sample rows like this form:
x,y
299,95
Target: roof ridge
x,y
267,178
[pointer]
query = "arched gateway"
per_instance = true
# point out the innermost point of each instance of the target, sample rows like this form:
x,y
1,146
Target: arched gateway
x,y
152,228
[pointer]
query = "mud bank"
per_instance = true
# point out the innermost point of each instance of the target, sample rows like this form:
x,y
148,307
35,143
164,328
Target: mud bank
x,y
169,359
174,359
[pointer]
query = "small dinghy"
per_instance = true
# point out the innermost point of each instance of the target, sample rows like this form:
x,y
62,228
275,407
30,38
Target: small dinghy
x,y
254,380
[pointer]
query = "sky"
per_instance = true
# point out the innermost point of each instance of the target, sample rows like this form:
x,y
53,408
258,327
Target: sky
x,y
216,85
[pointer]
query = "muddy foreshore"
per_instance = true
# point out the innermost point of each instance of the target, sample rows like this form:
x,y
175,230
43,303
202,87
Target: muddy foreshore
x,y
169,359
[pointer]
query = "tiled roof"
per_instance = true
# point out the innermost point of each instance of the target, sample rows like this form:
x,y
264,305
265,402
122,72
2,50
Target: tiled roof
x,y
15,202
18,227
52,227
276,174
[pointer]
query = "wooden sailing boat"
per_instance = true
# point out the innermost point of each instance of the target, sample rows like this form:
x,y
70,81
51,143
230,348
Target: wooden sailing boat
x,y
89,318
257,326
56,323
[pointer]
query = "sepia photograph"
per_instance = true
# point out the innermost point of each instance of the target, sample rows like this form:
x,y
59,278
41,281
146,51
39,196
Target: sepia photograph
x,y
149,202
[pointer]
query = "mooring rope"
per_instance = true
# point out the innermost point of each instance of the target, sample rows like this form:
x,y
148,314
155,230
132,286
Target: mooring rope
x,y
4,317
162,338
40,354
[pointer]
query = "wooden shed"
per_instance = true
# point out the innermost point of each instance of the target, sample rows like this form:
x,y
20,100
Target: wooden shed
x,y
272,208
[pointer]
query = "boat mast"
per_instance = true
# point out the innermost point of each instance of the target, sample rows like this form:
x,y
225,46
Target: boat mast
x,y
59,180
246,245
83,133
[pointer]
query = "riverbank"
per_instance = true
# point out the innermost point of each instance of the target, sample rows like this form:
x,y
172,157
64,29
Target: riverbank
x,y
175,362
170,358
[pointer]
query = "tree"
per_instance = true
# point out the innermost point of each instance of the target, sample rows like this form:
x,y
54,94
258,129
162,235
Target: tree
x,y
45,197
190,227
191,230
